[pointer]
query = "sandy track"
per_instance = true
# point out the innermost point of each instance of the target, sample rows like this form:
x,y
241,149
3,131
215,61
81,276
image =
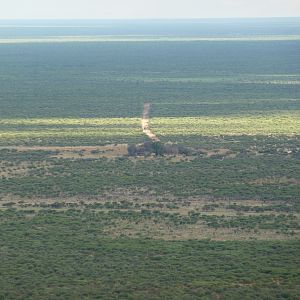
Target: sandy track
x,y
146,123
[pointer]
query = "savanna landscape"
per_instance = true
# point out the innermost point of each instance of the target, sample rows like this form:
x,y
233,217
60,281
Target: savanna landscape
x,y
150,159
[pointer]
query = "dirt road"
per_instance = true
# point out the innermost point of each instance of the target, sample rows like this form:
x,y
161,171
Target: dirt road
x,y
146,123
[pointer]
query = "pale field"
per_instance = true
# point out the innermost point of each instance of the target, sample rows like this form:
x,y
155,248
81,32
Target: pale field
x,y
146,38
287,124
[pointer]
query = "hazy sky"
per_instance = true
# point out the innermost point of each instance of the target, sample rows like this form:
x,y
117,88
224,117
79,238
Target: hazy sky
x,y
133,9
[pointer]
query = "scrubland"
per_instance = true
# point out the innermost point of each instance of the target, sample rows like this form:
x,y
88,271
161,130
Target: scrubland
x,y
81,218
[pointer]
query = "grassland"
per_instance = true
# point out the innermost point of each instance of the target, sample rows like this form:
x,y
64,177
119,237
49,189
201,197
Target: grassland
x,y
86,131
81,219
275,125
70,131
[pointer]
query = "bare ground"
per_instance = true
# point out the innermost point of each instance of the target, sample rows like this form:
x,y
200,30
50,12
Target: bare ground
x,y
109,151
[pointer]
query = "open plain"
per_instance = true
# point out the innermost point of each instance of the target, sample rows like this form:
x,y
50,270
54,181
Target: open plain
x,y
157,167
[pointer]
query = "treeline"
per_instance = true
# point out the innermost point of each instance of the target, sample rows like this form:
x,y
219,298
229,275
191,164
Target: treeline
x,y
160,149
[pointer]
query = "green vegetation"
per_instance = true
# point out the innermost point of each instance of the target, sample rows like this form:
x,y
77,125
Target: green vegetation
x,y
68,256
283,124
121,130
69,131
90,80
91,209
274,177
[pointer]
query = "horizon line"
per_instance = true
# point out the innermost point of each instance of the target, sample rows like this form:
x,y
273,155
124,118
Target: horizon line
x,y
148,19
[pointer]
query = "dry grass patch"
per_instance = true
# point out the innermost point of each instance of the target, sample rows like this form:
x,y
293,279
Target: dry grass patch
x,y
275,180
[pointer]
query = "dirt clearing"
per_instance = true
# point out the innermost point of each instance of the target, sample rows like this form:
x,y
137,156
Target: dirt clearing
x,y
109,151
